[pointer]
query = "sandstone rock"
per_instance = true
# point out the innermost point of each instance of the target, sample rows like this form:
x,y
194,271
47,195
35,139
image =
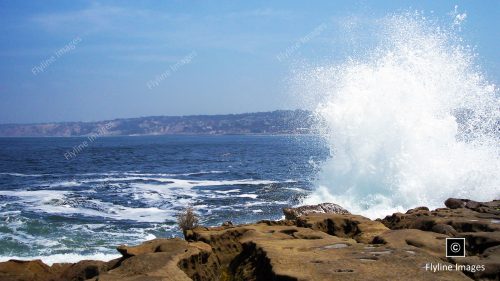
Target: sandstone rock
x,y
357,227
491,261
280,222
479,242
477,222
320,260
166,260
324,208
444,229
36,270
81,270
151,246
279,252
431,243
16,270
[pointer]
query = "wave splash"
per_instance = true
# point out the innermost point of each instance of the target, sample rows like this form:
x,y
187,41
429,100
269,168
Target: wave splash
x,y
413,124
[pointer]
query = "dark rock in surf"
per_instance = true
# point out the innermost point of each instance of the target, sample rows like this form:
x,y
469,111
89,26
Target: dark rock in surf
x,y
454,203
323,208
418,209
481,207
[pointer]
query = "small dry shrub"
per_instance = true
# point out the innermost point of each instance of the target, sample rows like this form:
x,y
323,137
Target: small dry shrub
x,y
187,219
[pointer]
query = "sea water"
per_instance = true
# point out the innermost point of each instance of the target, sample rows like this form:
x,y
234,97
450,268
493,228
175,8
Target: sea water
x,y
125,190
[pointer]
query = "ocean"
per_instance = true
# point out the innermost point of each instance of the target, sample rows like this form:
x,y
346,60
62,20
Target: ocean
x,y
62,206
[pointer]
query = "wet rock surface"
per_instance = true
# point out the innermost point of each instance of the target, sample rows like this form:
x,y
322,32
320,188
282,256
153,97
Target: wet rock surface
x,y
323,208
313,246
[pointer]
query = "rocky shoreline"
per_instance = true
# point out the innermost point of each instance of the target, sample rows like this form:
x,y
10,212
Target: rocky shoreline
x,y
322,242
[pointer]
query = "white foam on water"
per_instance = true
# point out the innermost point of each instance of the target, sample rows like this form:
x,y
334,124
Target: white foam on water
x,y
21,175
228,191
30,196
17,231
253,196
155,192
173,188
198,183
65,184
411,124
175,174
115,179
184,183
53,202
64,258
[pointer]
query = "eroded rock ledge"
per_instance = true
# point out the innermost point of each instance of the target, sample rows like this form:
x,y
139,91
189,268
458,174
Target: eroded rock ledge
x,y
320,243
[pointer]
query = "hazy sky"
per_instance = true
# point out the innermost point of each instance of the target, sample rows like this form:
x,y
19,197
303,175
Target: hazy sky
x,y
94,60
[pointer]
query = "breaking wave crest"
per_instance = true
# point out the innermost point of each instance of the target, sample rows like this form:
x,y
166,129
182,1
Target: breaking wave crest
x,y
412,124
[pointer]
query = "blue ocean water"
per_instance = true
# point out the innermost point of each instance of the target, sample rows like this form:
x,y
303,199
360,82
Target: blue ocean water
x,y
124,190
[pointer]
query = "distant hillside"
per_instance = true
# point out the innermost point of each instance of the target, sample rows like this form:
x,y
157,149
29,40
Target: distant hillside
x,y
275,122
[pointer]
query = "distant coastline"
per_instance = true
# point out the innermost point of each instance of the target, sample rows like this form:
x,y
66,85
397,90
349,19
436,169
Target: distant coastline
x,y
279,122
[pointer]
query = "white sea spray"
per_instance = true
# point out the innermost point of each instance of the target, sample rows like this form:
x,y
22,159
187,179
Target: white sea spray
x,y
411,124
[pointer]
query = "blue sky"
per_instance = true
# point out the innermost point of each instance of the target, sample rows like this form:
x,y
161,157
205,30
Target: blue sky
x,y
206,57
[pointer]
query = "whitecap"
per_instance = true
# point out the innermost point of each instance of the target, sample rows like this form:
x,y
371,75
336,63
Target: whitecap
x,y
64,258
